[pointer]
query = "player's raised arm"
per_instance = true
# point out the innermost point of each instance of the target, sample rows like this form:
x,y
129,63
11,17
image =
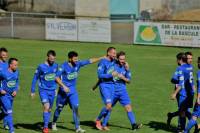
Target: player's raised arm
x,y
94,60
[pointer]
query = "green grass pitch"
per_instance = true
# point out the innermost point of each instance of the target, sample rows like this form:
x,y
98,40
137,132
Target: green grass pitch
x,y
151,67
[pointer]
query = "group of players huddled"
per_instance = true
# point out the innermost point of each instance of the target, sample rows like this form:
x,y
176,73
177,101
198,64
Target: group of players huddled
x,y
184,93
113,74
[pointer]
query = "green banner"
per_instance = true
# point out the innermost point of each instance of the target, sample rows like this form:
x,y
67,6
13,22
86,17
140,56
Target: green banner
x,y
148,34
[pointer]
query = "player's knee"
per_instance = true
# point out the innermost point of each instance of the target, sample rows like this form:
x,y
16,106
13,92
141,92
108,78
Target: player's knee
x,y
194,118
46,107
75,108
109,106
128,108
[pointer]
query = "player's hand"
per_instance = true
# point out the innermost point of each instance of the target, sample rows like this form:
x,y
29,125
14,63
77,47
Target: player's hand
x,y
94,87
198,99
14,93
194,88
32,95
173,96
103,57
126,66
114,74
121,76
66,89
3,92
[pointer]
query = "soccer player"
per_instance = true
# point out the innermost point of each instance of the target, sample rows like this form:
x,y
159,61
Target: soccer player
x,y
8,90
106,76
3,66
183,90
175,80
46,74
196,112
68,72
121,94
189,86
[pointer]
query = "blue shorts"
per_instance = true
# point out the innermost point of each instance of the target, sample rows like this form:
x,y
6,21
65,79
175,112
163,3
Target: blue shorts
x,y
47,96
6,103
67,98
107,92
196,111
121,96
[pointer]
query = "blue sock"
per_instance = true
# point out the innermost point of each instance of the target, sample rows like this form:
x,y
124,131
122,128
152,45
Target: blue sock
x,y
131,117
102,113
106,118
5,122
56,114
46,119
76,117
190,124
10,122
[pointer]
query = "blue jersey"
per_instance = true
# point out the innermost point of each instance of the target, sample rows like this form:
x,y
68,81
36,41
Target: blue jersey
x,y
69,73
198,81
175,77
121,70
45,75
105,69
3,66
181,80
189,79
10,80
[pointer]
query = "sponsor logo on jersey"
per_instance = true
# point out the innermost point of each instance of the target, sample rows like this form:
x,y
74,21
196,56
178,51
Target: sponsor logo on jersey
x,y
71,76
11,83
50,77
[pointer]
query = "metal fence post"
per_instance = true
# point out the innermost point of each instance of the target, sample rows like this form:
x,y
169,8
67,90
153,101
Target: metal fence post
x,y
12,25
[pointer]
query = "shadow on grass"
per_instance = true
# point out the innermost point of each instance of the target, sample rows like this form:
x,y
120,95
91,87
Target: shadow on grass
x,y
91,124
35,126
161,126
38,126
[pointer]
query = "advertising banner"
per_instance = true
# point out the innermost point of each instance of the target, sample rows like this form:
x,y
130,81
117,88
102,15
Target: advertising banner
x,y
61,29
94,30
167,34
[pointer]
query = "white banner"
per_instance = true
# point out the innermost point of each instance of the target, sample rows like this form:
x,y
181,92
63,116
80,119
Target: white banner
x,y
94,30
61,29
169,34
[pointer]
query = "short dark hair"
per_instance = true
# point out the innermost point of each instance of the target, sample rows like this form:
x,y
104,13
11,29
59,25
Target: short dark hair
x,y
181,56
110,48
51,52
3,49
121,53
188,53
11,60
72,54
